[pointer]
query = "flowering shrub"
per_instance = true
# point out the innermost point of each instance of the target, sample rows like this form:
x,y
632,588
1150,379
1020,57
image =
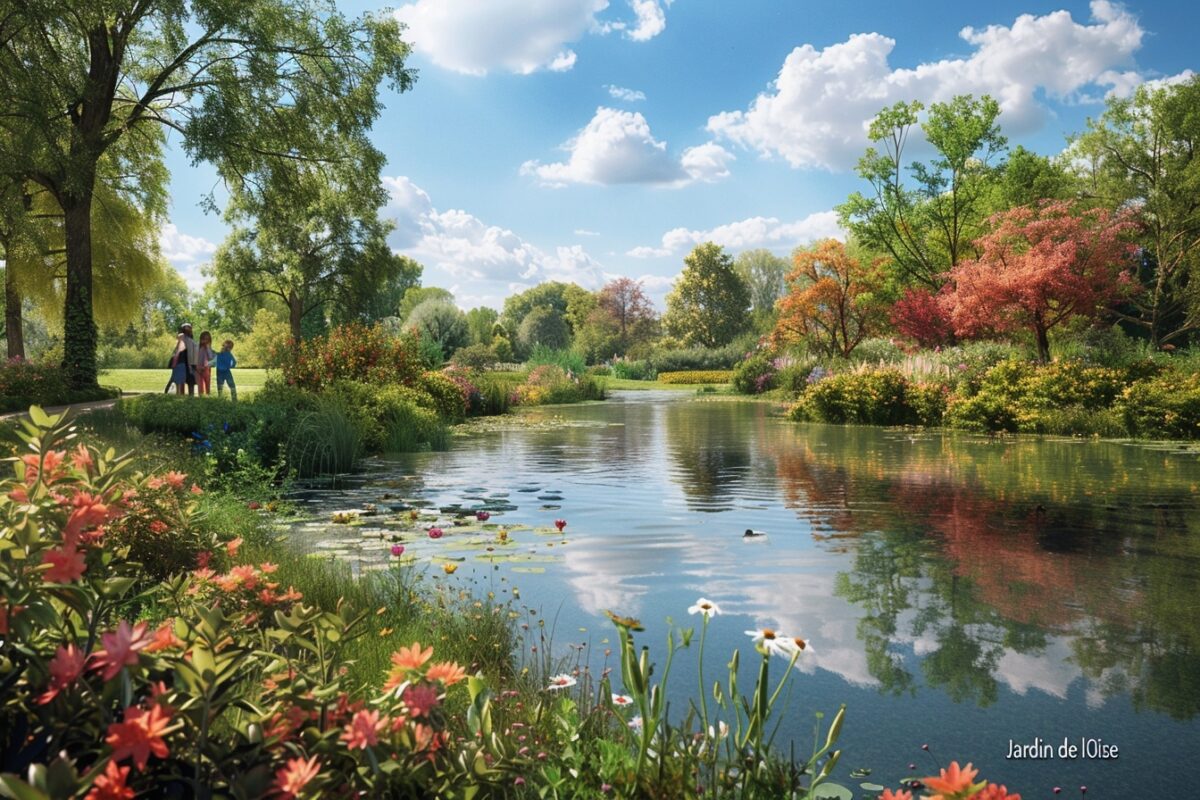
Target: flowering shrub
x,y
354,351
755,375
697,376
1166,406
451,398
25,380
870,397
549,383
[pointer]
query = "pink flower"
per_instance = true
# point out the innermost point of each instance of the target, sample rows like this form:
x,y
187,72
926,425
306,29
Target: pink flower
x,y
295,776
560,524
397,550
435,533
120,649
420,700
175,479
82,459
139,735
363,730
65,668
68,564
482,516
231,547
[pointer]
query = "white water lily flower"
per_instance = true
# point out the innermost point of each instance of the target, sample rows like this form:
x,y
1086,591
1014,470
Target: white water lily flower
x,y
706,607
561,682
622,700
772,642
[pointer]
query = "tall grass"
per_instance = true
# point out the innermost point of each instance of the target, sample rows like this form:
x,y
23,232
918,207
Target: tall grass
x,y
567,360
324,441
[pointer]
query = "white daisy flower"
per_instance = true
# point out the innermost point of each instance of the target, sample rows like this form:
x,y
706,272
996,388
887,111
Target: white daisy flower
x,y
706,607
771,642
561,682
622,700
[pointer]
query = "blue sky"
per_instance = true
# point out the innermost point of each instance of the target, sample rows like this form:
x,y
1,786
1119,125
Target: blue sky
x,y
585,139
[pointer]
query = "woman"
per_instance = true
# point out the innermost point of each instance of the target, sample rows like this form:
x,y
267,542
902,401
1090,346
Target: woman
x,y
180,367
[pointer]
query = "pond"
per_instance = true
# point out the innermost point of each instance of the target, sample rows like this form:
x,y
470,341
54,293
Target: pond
x,y
959,591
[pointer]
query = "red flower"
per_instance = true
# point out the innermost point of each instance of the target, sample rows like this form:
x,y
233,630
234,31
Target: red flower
x,y
435,533
420,700
68,564
110,785
296,775
363,730
158,526
120,649
995,792
140,735
560,524
65,668
953,781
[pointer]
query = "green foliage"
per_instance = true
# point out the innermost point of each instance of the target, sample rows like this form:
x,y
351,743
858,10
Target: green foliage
x,y
543,326
1163,407
353,352
551,294
24,383
568,361
710,303
503,349
765,275
475,356
325,440
697,376
634,370
481,323
267,338
449,400
863,397
701,358
927,401
550,384
440,321
755,374
416,295
496,392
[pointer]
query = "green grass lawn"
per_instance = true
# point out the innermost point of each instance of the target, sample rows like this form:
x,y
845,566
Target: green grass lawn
x,y
153,380
621,383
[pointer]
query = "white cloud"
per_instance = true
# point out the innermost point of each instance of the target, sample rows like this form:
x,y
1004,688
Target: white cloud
x,y
816,111
187,254
585,232
747,234
478,36
467,250
628,95
618,147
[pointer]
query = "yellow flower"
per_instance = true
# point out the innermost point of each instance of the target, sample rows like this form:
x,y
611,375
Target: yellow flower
x,y
449,568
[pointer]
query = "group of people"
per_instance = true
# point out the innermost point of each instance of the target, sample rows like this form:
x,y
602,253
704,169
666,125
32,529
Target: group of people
x,y
192,363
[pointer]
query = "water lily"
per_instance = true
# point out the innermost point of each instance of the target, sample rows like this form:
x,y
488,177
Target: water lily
x,y
397,550
435,533
706,607
449,568
502,535
482,516
560,524
563,681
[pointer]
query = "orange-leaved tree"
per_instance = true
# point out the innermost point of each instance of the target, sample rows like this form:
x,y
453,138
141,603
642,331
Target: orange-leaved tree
x,y
832,302
1040,266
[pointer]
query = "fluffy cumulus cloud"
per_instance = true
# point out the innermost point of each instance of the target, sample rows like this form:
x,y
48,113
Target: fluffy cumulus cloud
x,y
187,254
458,247
618,147
622,93
816,111
747,234
521,36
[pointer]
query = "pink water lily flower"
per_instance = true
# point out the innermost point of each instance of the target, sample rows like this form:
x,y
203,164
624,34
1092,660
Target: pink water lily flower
x,y
482,516
397,550
435,533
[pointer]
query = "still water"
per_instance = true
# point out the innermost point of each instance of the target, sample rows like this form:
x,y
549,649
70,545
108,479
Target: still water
x,y
958,591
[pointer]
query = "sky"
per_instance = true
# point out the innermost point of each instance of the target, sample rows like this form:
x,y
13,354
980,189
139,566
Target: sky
x,y
581,140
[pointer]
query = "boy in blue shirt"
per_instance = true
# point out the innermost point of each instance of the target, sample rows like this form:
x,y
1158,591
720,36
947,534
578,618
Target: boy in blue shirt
x,y
225,364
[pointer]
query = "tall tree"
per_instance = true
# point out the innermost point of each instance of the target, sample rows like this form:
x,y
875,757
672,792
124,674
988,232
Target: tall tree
x,y
832,302
709,304
552,294
416,295
1039,267
442,322
925,220
480,322
369,301
246,82
1145,152
308,234
766,275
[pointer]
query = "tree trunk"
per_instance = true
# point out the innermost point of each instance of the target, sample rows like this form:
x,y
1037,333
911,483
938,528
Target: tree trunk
x,y
295,314
14,329
1043,345
79,326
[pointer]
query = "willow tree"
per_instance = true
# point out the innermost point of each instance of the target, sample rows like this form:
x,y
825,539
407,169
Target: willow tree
x,y
245,82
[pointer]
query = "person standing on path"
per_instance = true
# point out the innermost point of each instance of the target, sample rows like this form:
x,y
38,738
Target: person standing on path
x,y
193,357
204,358
225,364
179,362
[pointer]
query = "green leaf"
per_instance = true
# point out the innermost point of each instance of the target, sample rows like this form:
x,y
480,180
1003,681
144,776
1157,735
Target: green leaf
x,y
13,787
832,791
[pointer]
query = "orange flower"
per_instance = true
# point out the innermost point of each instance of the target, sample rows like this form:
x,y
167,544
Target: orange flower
x,y
175,479
995,792
296,775
139,735
899,794
89,512
81,459
65,668
231,547
110,785
164,638
953,781
120,649
447,672
363,730
68,564
412,657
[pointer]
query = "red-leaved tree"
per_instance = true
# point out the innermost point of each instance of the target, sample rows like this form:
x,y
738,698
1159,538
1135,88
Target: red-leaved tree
x,y
919,315
1039,267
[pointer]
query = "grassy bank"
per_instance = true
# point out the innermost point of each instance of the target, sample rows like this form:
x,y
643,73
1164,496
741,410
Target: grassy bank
x,y
153,380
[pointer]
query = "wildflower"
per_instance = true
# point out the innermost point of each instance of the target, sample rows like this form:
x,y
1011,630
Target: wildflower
x,y
770,642
120,649
67,562
295,776
196,489
420,700
81,459
622,700
164,638
110,784
449,568
412,657
482,516
65,668
397,550
995,792
88,513
502,535
954,780
561,682
706,607
447,672
232,546
363,730
158,526
899,794
435,533
636,723
631,623
139,735
254,505
175,479
560,524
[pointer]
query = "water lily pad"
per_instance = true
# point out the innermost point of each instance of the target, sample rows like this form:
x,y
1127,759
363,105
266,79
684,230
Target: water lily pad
x,y
550,497
550,507
529,570
861,772
529,489
871,787
447,558
511,558
832,791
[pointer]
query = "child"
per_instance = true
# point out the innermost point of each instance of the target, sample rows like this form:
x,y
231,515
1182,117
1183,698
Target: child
x,y
204,358
225,364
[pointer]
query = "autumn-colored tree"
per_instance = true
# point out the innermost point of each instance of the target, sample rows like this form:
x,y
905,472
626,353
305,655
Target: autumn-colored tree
x,y
831,302
919,316
1039,267
625,303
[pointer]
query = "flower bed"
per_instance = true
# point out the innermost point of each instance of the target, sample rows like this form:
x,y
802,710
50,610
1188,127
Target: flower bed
x,y
697,376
